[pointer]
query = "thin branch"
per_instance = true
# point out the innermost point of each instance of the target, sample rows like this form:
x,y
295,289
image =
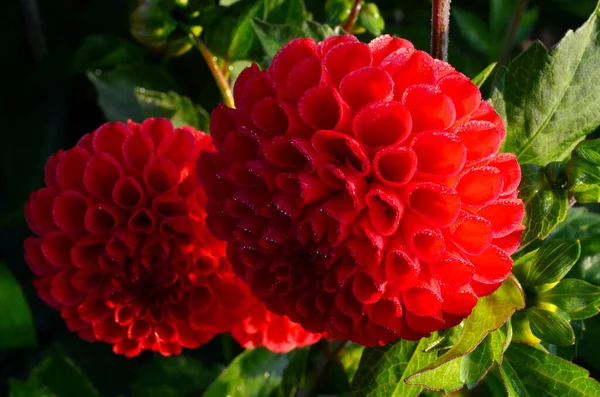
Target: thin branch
x,y
513,28
352,17
440,29
220,79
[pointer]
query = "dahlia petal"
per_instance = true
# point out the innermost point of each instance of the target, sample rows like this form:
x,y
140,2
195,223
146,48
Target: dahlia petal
x,y
471,233
409,67
179,146
138,149
464,94
386,313
305,75
102,218
241,145
479,186
458,301
326,45
70,169
344,58
109,138
382,124
427,244
127,192
127,347
139,329
505,215
366,85
511,242
62,289
430,109
492,266
395,166
87,280
439,153
38,211
258,86
438,205
178,228
86,251
385,209
287,58
56,247
342,148
101,173
124,242
424,324
384,45
142,221
481,138
42,286
452,271
322,108
157,129
422,301
269,117
366,289
510,170
160,176
483,288
238,89
486,112
68,210
93,310
348,304
35,258
401,270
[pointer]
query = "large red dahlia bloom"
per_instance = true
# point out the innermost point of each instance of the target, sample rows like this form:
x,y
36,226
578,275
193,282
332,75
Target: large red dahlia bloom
x,y
360,190
123,251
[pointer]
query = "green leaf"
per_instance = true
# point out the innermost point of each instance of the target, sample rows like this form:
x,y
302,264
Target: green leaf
x,y
584,314
318,31
476,364
490,313
16,322
544,374
527,24
254,373
116,89
337,11
583,171
382,370
571,295
350,359
105,51
180,110
370,18
294,375
549,263
512,383
177,376
546,201
60,377
19,388
484,74
550,327
537,95
472,28
273,37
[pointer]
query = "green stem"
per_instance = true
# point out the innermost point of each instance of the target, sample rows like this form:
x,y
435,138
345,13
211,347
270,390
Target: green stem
x,y
440,29
511,33
218,75
352,17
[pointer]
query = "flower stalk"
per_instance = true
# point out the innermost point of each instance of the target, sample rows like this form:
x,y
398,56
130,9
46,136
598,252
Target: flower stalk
x,y
440,29
353,17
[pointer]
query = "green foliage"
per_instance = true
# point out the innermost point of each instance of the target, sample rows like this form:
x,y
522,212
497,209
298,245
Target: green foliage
x,y
546,200
180,110
370,18
583,172
482,77
16,323
537,93
56,376
548,264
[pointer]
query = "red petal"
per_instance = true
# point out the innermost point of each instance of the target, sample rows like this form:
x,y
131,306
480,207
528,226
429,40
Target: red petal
x,y
481,138
382,124
56,248
505,215
269,117
510,170
127,192
438,205
439,153
511,242
395,166
109,138
366,289
494,265
86,251
305,75
38,211
142,221
407,68
366,85
69,211
102,218
452,271
472,233
70,169
87,280
179,146
157,129
385,44
342,148
138,149
422,301
287,58
62,288
479,186
464,94
429,107
385,209
343,58
161,175
401,271
35,258
458,301
322,108
101,173
386,313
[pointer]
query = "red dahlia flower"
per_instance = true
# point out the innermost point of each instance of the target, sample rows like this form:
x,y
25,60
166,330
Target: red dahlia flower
x,y
360,190
123,251
277,333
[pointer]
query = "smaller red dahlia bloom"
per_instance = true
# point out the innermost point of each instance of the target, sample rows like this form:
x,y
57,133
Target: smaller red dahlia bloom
x,y
276,333
360,189
123,251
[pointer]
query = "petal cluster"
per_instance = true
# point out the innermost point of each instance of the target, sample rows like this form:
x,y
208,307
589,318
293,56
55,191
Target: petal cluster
x,y
360,190
277,333
123,251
